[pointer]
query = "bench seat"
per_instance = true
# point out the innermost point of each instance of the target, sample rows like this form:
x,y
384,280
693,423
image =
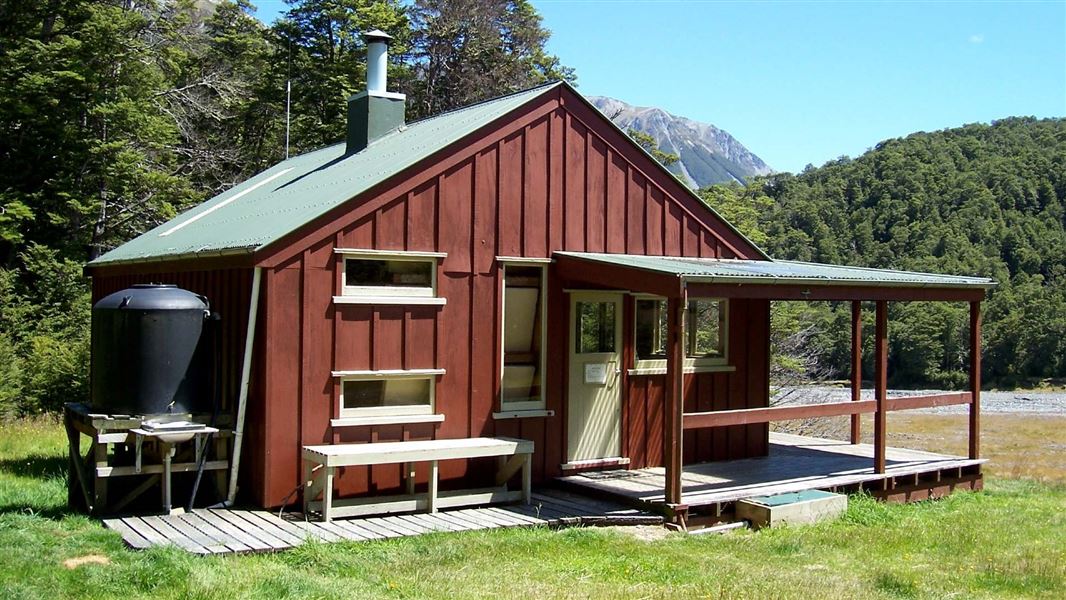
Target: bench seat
x,y
329,457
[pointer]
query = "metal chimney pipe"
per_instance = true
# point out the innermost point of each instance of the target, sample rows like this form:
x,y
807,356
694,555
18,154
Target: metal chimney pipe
x,y
377,60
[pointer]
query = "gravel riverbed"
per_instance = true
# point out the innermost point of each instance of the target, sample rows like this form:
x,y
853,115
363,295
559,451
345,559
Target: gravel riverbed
x,y
1019,402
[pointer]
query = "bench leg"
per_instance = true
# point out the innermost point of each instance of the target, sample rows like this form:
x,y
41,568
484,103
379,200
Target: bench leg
x,y
327,495
409,471
527,479
308,485
432,496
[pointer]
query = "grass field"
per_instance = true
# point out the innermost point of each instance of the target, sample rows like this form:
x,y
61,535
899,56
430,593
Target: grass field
x,y
1009,541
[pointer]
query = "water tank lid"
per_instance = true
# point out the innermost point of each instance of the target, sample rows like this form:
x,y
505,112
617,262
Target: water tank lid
x,y
152,296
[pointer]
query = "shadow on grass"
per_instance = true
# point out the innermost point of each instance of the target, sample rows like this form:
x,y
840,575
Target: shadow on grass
x,y
35,466
41,502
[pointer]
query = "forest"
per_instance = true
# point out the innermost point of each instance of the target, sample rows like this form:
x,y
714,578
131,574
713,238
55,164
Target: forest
x,y
119,114
983,199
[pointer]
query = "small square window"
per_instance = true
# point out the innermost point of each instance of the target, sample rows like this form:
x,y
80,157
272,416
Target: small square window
x,y
705,330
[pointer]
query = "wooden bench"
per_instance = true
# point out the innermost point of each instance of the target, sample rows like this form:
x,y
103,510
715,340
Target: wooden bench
x,y
330,457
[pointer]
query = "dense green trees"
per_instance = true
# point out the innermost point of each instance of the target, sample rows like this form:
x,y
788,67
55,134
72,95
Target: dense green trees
x,y
117,115
977,200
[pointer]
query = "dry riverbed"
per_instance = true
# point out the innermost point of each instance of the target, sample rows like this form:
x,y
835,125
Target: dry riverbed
x,y
1023,434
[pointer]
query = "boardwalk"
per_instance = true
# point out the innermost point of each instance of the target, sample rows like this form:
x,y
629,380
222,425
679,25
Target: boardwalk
x,y
205,531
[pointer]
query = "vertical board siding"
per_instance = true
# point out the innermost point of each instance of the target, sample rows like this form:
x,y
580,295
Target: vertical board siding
x,y
746,387
554,182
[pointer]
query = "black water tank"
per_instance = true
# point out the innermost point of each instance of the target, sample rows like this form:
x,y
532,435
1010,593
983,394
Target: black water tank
x,y
150,354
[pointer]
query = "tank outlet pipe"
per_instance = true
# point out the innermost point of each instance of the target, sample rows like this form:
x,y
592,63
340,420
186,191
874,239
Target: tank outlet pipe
x,y
246,372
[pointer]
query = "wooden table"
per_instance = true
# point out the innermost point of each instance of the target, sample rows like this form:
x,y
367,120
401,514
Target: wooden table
x,y
514,454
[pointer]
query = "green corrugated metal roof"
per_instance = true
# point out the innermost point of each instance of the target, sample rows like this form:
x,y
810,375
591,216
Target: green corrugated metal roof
x,y
296,191
715,270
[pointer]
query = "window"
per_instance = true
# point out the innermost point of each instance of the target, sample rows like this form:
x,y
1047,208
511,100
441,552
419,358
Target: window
x,y
388,277
394,395
595,324
705,332
392,276
523,336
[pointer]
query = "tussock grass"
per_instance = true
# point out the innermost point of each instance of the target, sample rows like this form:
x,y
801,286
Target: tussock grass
x,y
1009,541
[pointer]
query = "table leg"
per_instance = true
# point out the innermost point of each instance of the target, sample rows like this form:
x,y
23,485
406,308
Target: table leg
x,y
432,497
168,453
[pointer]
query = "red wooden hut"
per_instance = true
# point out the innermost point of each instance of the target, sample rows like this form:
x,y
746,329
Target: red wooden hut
x,y
517,268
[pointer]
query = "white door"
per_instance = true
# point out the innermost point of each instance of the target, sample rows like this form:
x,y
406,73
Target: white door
x,y
594,411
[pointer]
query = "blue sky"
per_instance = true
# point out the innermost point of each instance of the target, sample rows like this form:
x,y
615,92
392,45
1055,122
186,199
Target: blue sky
x,y
804,82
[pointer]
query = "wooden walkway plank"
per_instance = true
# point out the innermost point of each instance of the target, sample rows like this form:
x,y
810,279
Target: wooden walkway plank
x,y
400,528
173,535
459,522
253,543
271,518
384,532
318,531
264,535
489,519
129,535
213,533
514,518
284,534
354,528
432,520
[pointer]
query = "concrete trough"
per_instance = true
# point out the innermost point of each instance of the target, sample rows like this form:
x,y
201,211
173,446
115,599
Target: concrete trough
x,y
796,508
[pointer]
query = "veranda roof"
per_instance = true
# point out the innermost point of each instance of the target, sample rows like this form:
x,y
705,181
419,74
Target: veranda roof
x,y
802,279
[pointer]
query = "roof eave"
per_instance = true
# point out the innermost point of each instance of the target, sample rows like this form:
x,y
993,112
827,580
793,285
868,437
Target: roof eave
x,y
759,280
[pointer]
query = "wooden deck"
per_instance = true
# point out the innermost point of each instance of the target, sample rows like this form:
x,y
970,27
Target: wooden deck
x,y
795,463
205,531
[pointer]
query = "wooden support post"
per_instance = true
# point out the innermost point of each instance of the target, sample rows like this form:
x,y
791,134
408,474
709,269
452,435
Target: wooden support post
x,y
308,471
880,384
975,380
672,417
856,367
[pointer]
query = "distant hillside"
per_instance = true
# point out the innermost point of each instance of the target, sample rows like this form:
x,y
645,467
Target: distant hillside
x,y
708,154
983,199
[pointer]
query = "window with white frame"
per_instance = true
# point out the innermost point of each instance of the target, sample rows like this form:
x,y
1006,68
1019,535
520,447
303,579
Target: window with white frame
x,y
397,395
706,334
399,276
522,382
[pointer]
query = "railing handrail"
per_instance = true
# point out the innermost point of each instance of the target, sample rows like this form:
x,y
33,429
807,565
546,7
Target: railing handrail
x,y
753,416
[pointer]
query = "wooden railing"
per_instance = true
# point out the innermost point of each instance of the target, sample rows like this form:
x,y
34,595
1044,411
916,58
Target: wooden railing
x,y
750,416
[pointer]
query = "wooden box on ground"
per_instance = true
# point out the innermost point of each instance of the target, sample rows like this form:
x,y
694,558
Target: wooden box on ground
x,y
797,508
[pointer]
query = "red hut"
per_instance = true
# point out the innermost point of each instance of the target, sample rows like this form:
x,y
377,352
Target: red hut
x,y
518,269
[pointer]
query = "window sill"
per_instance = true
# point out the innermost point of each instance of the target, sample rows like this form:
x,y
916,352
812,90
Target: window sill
x,y
686,370
385,420
522,414
391,300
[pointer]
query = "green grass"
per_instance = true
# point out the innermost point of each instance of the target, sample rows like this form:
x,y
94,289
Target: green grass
x,y
1009,541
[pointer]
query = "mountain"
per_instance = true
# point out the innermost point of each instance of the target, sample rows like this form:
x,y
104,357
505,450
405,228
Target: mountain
x,y
708,155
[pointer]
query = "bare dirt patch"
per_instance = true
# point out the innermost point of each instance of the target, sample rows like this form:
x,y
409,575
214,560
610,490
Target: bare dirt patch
x,y
88,559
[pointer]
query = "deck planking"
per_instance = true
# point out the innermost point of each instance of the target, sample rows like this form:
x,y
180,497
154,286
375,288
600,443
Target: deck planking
x,y
795,463
224,531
